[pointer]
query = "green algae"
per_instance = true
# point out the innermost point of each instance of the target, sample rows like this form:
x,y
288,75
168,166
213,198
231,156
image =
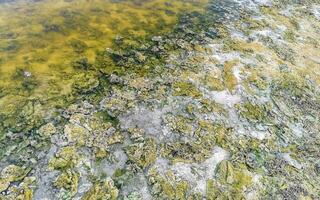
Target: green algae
x,y
255,80
248,24
68,180
10,174
22,191
292,84
66,158
122,176
229,79
78,46
211,190
207,134
213,83
236,180
232,179
77,134
43,58
180,124
289,35
142,153
102,190
186,89
167,187
208,106
239,46
254,112
105,116
85,82
47,130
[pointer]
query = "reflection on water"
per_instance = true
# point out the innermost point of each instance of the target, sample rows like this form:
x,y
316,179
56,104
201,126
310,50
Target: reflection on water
x,y
43,42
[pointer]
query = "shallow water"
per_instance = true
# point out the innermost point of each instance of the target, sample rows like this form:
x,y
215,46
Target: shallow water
x,y
41,40
155,99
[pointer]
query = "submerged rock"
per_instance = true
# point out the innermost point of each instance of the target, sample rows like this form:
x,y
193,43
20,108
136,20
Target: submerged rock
x,y
224,105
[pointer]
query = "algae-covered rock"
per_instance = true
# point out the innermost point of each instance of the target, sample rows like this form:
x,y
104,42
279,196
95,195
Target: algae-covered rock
x,y
209,106
68,180
229,79
85,82
234,179
4,184
115,138
257,80
21,191
76,134
136,133
66,158
133,196
92,131
167,187
11,173
226,172
14,173
206,135
154,111
180,124
186,89
182,187
142,153
186,151
212,191
104,190
120,101
255,113
213,83
47,130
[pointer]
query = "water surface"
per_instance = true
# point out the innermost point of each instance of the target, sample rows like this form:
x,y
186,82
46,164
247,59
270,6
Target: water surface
x,y
42,41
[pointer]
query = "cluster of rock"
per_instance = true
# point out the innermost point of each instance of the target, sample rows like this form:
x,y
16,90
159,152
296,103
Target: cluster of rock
x,y
226,106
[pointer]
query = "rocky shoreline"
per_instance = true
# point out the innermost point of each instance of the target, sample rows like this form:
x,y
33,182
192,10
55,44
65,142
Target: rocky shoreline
x,y
226,106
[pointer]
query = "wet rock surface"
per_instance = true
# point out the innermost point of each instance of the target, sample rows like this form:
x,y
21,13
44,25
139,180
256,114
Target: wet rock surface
x,y
225,106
